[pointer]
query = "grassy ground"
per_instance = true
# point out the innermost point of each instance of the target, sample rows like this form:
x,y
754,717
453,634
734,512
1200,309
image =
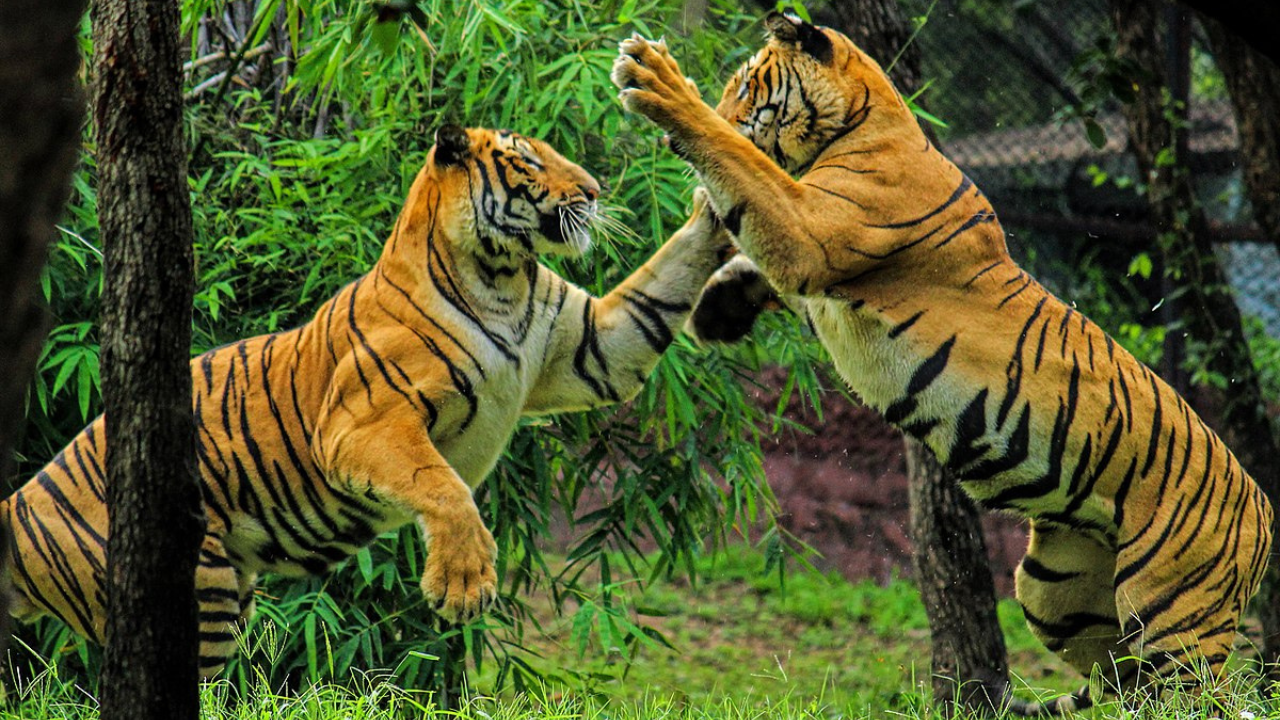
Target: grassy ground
x,y
817,638
744,648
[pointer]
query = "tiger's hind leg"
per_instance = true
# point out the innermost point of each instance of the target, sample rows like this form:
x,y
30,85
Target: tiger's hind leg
x,y
1182,624
221,592
1065,586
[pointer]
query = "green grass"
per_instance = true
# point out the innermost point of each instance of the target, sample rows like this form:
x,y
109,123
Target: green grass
x,y
814,638
744,647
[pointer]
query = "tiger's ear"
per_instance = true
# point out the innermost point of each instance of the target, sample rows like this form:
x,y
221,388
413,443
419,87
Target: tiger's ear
x,y
453,145
794,31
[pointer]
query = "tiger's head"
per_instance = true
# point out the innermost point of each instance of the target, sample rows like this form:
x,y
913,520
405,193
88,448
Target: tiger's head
x,y
808,85
514,195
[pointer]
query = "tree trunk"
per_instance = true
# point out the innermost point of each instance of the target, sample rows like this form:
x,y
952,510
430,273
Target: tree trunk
x,y
950,560
969,659
1248,20
1253,81
39,139
1254,84
1209,313
153,501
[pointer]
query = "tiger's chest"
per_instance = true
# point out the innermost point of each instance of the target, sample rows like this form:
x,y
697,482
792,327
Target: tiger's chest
x,y
874,367
474,429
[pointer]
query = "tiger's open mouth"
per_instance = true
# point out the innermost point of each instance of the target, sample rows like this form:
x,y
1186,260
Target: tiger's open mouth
x,y
570,224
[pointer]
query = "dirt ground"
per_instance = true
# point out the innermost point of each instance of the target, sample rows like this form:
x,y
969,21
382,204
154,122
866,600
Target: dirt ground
x,y
843,490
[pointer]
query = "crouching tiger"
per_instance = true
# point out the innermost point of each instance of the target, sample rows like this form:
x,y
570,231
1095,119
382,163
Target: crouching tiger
x,y
1147,536
393,402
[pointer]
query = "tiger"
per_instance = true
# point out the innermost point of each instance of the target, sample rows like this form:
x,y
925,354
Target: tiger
x,y
1147,538
393,402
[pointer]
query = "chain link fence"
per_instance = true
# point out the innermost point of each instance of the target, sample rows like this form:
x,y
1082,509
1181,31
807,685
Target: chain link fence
x,y
1005,77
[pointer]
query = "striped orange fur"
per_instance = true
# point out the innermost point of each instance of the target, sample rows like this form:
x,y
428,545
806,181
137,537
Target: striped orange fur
x,y
393,403
1147,536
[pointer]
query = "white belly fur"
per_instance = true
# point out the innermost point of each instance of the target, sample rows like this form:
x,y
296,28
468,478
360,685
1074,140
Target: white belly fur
x,y
869,364
474,451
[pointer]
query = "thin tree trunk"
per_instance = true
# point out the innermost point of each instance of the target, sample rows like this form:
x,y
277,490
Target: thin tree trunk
x,y
1208,310
153,501
1253,81
39,139
969,659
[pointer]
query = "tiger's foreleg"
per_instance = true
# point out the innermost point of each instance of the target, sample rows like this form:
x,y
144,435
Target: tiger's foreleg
x,y
777,222
604,348
391,460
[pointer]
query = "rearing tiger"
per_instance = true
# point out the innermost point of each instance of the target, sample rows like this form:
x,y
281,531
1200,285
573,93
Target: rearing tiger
x,y
393,402
1147,536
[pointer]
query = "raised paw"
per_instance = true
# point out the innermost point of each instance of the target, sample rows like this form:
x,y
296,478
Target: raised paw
x,y
651,83
459,580
731,301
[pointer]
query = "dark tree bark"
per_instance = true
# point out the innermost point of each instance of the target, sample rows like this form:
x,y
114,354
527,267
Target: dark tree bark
x,y
950,560
39,140
153,501
1206,306
969,658
1253,21
1253,81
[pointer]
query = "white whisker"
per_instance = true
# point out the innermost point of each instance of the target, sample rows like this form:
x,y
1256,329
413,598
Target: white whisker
x,y
607,221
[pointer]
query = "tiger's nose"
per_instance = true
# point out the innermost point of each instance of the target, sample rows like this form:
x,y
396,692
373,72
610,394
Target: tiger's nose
x,y
590,188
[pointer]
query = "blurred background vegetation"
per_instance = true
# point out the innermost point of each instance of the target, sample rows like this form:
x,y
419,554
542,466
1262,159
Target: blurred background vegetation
x,y
308,120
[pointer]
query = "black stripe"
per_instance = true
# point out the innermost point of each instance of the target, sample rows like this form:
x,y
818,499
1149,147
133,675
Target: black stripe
x,y
1071,624
965,184
1015,293
902,327
1124,574
1156,427
982,272
1037,570
1013,371
589,347
732,220
931,368
970,426
1015,453
980,218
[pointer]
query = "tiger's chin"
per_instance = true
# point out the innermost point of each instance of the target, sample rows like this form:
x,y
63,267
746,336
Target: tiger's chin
x,y
566,230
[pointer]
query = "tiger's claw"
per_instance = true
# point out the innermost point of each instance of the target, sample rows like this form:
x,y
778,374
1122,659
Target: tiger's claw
x,y
651,82
459,580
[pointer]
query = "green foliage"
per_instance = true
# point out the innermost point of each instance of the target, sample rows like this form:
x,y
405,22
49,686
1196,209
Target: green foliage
x,y
1266,357
860,648
745,648
1100,78
298,170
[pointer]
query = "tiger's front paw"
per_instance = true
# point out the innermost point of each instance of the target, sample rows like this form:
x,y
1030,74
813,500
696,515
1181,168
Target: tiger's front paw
x,y
731,301
651,82
459,580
